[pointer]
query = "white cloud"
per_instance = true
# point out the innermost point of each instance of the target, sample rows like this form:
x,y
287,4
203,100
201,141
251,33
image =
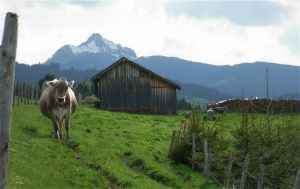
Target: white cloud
x,y
145,27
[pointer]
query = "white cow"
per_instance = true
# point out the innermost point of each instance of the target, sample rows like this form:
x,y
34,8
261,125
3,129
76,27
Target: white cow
x,y
58,103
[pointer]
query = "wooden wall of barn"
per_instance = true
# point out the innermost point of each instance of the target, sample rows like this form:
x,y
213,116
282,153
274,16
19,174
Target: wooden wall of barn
x,y
125,87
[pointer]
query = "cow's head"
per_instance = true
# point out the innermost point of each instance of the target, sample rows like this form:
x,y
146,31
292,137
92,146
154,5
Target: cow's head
x,y
61,87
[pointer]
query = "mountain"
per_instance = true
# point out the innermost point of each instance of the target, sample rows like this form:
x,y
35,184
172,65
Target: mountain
x,y
245,79
32,74
192,90
88,54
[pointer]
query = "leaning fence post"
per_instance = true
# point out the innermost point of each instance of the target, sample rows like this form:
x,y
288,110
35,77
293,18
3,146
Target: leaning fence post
x,y
172,143
228,172
7,76
206,160
193,150
244,173
297,180
260,180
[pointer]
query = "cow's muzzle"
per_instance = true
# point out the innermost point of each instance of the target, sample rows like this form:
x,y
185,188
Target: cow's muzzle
x,y
61,100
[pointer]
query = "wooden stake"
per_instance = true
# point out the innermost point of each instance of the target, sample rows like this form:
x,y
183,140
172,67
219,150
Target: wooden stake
x,y
244,173
206,160
193,150
18,93
172,143
7,76
228,172
79,98
260,180
297,180
36,94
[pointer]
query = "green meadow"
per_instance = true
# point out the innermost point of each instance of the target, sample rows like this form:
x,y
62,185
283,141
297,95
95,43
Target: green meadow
x,y
108,150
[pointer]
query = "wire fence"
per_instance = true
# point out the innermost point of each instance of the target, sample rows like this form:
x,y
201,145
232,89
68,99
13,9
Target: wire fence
x,y
24,93
209,160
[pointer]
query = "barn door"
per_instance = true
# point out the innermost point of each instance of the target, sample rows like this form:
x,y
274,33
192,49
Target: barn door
x,y
130,96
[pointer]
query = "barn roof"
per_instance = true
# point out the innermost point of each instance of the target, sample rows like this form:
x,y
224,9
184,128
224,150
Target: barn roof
x,y
140,67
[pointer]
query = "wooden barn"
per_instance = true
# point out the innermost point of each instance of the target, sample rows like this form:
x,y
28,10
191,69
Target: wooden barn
x,y
127,86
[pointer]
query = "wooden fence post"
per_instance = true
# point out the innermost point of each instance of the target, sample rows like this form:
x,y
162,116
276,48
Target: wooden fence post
x,y
206,160
18,93
36,94
14,94
260,180
31,94
244,173
297,180
7,76
172,143
228,171
28,93
22,94
25,94
79,98
193,150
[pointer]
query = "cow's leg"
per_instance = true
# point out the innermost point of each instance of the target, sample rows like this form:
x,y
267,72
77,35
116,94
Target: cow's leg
x,y
60,123
67,127
55,128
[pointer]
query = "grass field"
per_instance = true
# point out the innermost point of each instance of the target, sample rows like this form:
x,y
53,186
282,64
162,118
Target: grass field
x,y
108,150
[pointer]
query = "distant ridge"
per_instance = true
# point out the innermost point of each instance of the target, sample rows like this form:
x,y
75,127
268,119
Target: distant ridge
x,y
245,79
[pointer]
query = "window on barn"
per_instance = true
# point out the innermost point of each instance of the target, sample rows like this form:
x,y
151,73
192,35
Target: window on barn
x,y
130,88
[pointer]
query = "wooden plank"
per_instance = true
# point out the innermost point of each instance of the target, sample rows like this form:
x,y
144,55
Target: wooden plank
x,y
193,150
172,144
14,94
260,180
297,180
206,161
228,172
244,172
18,93
7,76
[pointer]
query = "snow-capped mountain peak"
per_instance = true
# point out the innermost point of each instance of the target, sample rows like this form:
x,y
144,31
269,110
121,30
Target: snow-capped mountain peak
x,y
90,47
97,46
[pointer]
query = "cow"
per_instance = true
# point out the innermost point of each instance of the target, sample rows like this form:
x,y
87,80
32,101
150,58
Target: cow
x,y
58,103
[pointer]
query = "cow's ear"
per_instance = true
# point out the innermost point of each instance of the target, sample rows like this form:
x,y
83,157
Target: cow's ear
x,y
50,83
71,83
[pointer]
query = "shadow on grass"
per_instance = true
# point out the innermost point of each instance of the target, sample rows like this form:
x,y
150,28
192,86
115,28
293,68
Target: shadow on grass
x,y
139,165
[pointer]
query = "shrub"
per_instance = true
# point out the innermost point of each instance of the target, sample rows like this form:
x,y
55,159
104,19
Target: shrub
x,y
196,124
90,100
277,146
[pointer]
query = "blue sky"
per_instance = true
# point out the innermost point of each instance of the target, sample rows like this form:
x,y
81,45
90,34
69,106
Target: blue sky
x,y
215,32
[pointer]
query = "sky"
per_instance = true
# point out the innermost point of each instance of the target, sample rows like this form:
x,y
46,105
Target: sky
x,y
214,32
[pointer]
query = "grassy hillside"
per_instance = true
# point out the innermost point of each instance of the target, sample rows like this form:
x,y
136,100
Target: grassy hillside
x,y
108,150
